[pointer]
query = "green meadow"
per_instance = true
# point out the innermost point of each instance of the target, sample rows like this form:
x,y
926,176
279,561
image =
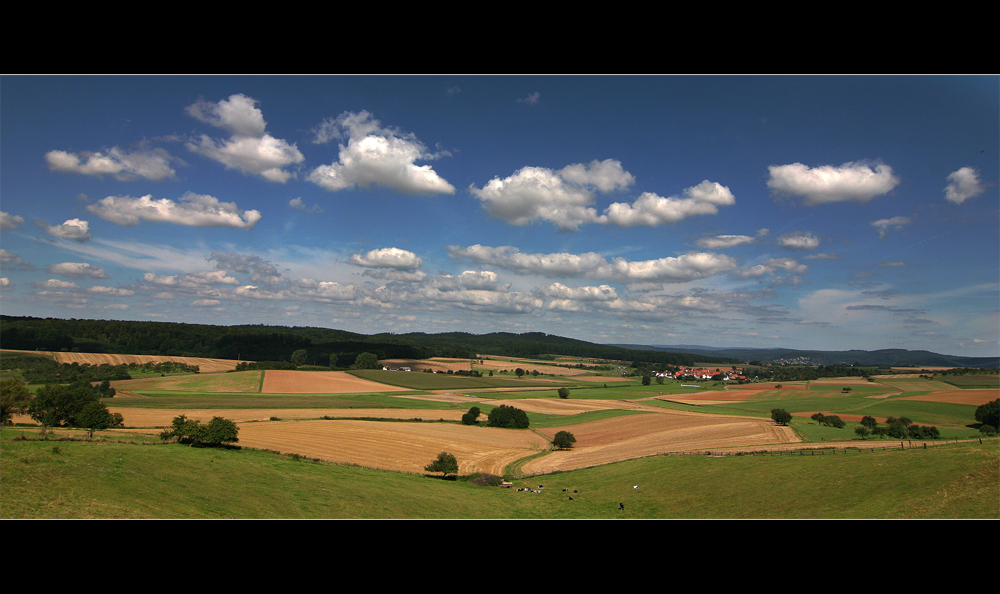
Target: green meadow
x,y
83,479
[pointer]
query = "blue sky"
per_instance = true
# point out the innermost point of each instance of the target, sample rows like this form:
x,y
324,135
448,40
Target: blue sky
x,y
813,212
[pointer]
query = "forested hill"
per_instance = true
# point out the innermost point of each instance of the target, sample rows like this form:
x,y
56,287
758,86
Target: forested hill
x,y
277,343
887,357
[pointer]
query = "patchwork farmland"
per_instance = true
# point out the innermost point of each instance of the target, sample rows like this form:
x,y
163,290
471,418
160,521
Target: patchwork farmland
x,y
399,421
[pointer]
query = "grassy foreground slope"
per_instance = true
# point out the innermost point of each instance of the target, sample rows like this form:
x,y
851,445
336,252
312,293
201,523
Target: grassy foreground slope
x,y
79,479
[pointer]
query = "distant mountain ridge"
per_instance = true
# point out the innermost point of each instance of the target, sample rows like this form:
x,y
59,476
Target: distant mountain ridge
x,y
893,357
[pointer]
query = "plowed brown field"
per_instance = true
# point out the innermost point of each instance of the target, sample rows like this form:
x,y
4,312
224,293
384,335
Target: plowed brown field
x,y
977,397
406,447
320,382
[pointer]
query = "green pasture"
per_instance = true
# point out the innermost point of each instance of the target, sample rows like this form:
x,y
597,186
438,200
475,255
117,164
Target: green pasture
x,y
235,382
443,381
911,384
84,479
972,381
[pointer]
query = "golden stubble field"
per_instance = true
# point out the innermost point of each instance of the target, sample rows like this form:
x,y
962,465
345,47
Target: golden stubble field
x,y
204,365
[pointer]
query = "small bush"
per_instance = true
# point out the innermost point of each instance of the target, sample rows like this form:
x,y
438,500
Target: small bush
x,y
485,479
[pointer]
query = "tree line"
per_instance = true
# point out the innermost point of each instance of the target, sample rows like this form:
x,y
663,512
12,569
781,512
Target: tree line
x,y
277,343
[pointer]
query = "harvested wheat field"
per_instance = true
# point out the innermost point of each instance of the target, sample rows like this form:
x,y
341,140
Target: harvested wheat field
x,y
320,382
204,365
405,447
977,397
634,436
151,417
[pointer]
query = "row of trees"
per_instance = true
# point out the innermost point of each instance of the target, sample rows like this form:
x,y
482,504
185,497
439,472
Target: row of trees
x,y
77,405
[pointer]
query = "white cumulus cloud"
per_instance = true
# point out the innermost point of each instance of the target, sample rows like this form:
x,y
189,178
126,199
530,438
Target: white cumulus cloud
x,y
376,156
566,197
720,242
194,210
249,149
799,241
146,162
75,229
962,185
650,209
882,225
851,182
683,268
387,258
9,221
78,270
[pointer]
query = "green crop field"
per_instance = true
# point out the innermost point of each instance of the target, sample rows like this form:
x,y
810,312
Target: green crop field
x,y
443,381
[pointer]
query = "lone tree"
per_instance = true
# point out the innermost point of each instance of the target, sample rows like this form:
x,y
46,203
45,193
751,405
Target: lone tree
x,y
299,357
366,361
445,464
989,414
564,392
14,399
333,360
471,417
563,440
781,416
94,416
